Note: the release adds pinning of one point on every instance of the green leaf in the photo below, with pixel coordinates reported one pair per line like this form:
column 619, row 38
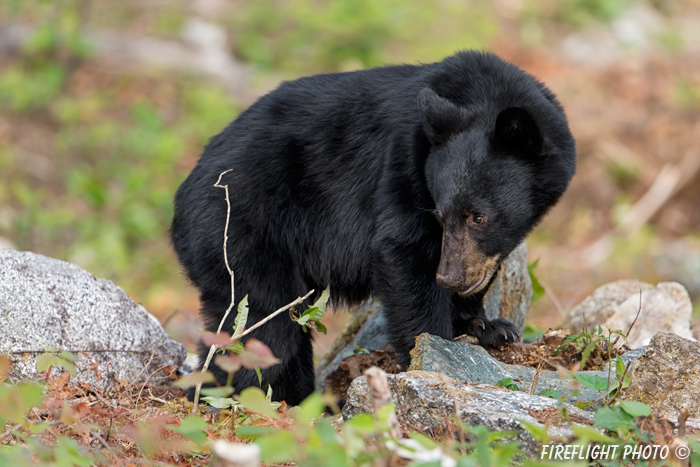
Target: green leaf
column 537, row 289
column 47, row 360
column 259, row 373
column 279, row 447
column 253, row 431
column 321, row 303
column 570, row 339
column 627, row 381
column 504, row 382
column 69, row 453
column 223, row 391
column 311, row 407
column 69, row 356
column 235, row 347
column 425, row 441
column 549, row 392
column 636, row 409
column 194, row 379
column 193, row 428
column 383, row 413
column 362, row 423
column 321, row 328
column 253, row 399
column 619, row 367
column 508, row 384
column 241, row 317
column 303, row 319
column 17, row 400
column 586, row 353
column 613, row 418
column 221, row 403
column 539, row 432
column 592, row 381
column 588, row 432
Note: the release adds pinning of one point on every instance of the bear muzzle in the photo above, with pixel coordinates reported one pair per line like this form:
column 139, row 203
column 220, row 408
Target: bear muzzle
column 463, row 268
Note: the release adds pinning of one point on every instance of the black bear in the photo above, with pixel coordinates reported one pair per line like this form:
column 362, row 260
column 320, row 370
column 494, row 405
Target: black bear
column 409, row 183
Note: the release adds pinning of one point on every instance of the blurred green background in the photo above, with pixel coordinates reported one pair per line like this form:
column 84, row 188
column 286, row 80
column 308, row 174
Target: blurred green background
column 105, row 106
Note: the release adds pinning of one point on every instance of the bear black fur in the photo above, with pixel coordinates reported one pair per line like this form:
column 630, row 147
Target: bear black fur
column 411, row 183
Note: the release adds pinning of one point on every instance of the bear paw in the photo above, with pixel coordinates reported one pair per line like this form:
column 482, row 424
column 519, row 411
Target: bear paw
column 493, row 333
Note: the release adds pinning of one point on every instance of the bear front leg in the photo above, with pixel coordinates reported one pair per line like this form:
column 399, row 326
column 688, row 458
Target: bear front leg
column 413, row 302
column 469, row 318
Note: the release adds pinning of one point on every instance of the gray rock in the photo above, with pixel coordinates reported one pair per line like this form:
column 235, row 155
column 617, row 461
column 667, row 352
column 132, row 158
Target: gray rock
column 509, row 297
column 667, row 376
column 664, row 308
column 426, row 402
column 47, row 304
column 510, row 294
column 473, row 364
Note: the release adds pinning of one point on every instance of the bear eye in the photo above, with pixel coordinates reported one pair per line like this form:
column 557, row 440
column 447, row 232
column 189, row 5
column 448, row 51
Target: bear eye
column 477, row 219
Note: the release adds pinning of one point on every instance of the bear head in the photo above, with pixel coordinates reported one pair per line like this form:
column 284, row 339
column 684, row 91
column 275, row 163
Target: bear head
column 493, row 171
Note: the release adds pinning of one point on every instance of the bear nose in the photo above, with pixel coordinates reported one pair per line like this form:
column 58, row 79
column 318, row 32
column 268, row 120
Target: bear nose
column 449, row 283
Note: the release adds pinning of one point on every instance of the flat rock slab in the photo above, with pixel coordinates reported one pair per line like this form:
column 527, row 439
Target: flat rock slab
column 667, row 376
column 473, row 364
column 427, row 401
column 47, row 304
column 665, row 307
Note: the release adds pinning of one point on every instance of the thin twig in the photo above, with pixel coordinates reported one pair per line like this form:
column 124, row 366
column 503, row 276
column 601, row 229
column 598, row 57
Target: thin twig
column 277, row 312
column 228, row 268
column 536, row 376
column 232, row 303
column 176, row 312
column 619, row 384
column 635, row 318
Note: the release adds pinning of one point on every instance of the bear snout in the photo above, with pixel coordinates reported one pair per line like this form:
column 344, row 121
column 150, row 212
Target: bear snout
column 464, row 284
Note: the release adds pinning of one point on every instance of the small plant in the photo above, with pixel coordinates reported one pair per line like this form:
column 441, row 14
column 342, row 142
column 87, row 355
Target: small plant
column 311, row 318
column 508, row 384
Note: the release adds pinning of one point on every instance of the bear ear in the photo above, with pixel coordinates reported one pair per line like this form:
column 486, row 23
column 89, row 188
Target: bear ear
column 441, row 118
column 517, row 132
